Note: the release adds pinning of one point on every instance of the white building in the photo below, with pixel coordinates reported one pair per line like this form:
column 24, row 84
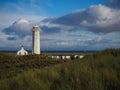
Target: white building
column 76, row 56
column 72, row 57
column 36, row 40
column 63, row 57
column 22, row 52
column 67, row 57
column 81, row 56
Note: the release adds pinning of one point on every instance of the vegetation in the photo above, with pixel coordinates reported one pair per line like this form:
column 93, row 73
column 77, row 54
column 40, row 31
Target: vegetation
column 97, row 71
column 11, row 65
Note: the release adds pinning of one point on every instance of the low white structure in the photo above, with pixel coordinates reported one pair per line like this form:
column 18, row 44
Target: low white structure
column 76, row 56
column 67, row 57
column 22, row 52
column 81, row 56
column 57, row 57
column 72, row 57
column 63, row 57
column 53, row 57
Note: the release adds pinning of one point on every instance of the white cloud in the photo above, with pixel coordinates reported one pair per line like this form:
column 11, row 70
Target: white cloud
column 21, row 28
column 104, row 15
column 101, row 11
column 6, row 43
column 7, row 19
column 82, row 24
column 97, row 18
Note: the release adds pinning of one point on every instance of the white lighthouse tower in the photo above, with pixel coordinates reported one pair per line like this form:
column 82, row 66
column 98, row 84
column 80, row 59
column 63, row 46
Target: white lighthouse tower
column 36, row 40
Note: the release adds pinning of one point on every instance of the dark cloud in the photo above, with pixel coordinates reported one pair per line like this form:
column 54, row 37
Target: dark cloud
column 21, row 28
column 46, row 39
column 74, row 18
column 11, row 38
column 47, row 30
column 96, row 27
column 97, row 18
column 113, row 3
column 48, row 20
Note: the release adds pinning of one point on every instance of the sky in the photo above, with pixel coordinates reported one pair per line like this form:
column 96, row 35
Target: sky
column 65, row 24
column 46, row 7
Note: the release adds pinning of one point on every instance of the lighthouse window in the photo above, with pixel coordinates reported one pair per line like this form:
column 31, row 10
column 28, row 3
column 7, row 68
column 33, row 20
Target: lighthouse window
column 35, row 28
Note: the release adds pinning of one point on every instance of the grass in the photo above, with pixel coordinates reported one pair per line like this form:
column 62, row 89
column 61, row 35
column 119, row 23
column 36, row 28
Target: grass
column 97, row 71
column 10, row 66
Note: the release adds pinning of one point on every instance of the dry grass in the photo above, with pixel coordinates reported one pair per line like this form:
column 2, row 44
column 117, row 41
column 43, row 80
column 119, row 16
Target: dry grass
column 99, row 71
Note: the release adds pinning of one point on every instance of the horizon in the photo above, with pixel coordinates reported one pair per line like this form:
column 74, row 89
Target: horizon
column 59, row 50
column 65, row 25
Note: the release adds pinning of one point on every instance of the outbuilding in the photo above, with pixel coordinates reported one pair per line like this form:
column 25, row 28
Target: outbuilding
column 22, row 52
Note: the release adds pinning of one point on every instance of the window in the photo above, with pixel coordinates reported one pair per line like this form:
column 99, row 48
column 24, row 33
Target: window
column 19, row 53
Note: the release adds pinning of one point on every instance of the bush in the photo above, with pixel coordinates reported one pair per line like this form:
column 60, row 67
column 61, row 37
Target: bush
column 97, row 71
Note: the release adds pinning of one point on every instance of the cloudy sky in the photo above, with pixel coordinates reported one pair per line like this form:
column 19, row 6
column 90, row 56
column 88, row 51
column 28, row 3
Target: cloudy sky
column 65, row 24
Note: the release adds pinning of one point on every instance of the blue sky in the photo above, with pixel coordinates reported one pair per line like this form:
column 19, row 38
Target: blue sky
column 65, row 24
column 46, row 7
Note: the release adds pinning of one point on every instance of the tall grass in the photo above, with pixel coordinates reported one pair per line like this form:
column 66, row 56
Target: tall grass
column 95, row 72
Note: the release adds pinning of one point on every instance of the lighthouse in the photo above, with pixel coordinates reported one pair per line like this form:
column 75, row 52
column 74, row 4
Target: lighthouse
column 36, row 40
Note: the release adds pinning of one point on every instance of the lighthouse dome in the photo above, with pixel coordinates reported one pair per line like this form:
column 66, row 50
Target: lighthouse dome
column 36, row 27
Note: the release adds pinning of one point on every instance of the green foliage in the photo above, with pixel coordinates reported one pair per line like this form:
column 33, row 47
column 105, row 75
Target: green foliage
column 97, row 71
column 11, row 65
